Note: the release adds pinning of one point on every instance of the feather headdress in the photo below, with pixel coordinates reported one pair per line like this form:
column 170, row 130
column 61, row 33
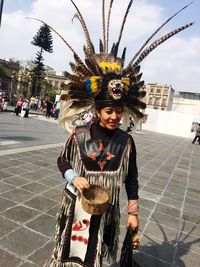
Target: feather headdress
column 105, row 70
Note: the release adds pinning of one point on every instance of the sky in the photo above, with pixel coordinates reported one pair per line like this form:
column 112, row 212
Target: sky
column 176, row 62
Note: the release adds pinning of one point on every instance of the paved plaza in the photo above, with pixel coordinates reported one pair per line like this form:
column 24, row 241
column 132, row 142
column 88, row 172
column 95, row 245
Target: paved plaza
column 31, row 189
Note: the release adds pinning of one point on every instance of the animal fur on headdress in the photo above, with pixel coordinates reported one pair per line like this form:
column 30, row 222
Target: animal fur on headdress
column 105, row 70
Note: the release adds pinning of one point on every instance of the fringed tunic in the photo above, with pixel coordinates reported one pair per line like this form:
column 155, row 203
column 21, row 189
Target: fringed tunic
column 103, row 157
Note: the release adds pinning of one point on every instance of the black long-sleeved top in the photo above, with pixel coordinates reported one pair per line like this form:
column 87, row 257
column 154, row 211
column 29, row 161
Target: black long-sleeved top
column 99, row 132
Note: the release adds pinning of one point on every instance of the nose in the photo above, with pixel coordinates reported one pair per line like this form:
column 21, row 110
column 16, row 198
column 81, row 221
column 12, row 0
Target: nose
column 118, row 84
column 114, row 115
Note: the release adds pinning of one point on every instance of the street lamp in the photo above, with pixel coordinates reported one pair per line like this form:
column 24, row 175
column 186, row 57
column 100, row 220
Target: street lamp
column 1, row 10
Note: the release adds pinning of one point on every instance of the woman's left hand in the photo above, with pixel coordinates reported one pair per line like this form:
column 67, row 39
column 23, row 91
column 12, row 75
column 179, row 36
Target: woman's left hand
column 133, row 222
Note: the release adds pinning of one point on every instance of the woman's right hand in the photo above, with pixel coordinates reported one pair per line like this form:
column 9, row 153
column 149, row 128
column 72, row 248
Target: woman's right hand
column 81, row 183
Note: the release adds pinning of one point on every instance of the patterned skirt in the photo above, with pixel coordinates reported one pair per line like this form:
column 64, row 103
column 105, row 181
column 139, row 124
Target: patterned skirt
column 78, row 237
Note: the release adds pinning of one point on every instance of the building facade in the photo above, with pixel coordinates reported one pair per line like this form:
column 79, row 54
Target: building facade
column 187, row 102
column 55, row 79
column 159, row 96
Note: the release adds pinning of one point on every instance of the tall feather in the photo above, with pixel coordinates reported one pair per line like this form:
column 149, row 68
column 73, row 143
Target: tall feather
column 103, row 25
column 160, row 41
column 101, row 48
column 124, row 21
column 108, row 25
column 85, row 30
column 147, row 41
column 82, row 66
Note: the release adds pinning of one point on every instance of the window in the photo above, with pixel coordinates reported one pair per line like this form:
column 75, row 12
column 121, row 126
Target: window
column 157, row 102
column 165, row 92
column 164, row 103
column 150, row 101
column 158, row 91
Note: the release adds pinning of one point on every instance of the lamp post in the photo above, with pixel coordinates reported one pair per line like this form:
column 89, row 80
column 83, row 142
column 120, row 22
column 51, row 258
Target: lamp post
column 1, row 10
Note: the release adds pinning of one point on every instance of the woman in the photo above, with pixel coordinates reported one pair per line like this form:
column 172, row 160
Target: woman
column 98, row 153
column 18, row 107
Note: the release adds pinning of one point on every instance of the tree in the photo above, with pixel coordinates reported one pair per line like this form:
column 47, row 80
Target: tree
column 43, row 39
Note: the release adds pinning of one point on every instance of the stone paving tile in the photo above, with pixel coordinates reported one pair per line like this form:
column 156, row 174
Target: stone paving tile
column 152, row 190
column 191, row 228
column 28, row 264
column 173, row 196
column 149, row 195
column 144, row 213
column 53, row 194
column 166, row 220
column 6, row 226
column 33, row 176
column 146, row 260
column 35, row 187
column 17, row 194
column 192, row 201
column 179, row 190
column 5, row 187
column 53, row 211
column 15, row 170
column 185, row 258
column 157, row 248
column 191, row 213
column 20, row 214
column 160, row 232
column 8, row 260
column 156, row 184
column 28, row 167
column 43, row 224
column 42, row 255
column 40, row 203
column 4, row 174
column 171, row 202
column 6, row 203
column 146, row 203
column 50, row 181
column 16, row 180
column 168, row 210
column 189, row 242
column 23, row 241
column 40, row 163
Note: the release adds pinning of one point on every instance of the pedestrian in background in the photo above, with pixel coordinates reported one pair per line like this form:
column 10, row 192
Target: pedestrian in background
column 25, row 109
column 197, row 133
column 18, row 106
column 57, row 107
column 49, row 106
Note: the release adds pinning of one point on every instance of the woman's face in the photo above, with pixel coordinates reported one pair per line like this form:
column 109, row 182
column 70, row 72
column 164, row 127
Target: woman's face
column 110, row 117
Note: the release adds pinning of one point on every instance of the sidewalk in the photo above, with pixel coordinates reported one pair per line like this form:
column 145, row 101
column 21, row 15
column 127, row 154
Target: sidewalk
column 169, row 172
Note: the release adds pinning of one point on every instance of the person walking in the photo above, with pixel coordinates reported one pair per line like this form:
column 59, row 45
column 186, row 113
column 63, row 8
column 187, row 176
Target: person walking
column 18, row 107
column 57, row 107
column 49, row 106
column 197, row 133
column 25, row 109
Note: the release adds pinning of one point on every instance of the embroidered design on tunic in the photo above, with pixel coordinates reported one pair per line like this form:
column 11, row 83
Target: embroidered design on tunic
column 92, row 156
column 81, row 225
column 101, row 164
column 109, row 155
column 101, row 147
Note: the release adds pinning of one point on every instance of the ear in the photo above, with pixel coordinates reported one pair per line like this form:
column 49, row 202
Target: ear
column 98, row 113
